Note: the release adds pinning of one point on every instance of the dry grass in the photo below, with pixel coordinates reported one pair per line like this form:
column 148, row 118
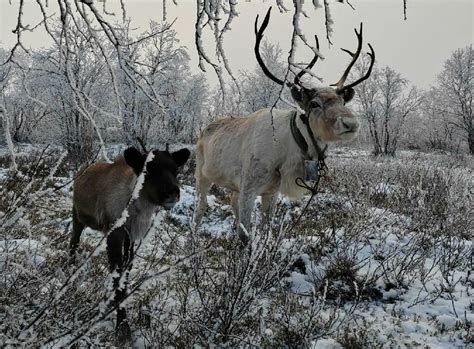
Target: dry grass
column 379, row 228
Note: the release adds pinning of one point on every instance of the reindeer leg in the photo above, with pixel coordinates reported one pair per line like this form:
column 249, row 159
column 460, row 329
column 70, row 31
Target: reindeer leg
column 253, row 178
column 116, row 241
column 77, row 228
column 126, row 251
column 268, row 204
column 234, row 201
column 129, row 248
column 128, row 258
column 246, row 205
column 202, row 187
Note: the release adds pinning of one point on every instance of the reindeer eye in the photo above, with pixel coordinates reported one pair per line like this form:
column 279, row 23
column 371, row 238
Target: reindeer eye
column 316, row 103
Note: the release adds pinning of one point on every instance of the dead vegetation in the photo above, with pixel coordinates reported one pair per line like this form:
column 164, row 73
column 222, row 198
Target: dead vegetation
column 385, row 242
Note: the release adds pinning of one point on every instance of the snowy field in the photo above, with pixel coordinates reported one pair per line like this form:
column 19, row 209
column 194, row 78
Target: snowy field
column 382, row 258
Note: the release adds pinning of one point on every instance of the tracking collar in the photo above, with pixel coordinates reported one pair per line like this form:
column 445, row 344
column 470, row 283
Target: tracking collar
column 299, row 139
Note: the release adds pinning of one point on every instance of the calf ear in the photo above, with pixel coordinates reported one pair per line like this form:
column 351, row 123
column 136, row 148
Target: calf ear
column 181, row 156
column 134, row 159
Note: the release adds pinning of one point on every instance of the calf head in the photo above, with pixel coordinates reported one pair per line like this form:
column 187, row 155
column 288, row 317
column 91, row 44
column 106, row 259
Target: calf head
column 325, row 107
column 161, row 186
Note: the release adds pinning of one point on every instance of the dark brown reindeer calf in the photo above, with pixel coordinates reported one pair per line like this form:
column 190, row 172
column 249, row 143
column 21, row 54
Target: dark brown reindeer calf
column 102, row 193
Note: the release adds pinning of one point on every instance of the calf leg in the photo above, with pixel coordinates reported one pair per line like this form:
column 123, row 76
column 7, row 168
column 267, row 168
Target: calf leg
column 128, row 250
column 116, row 241
column 77, row 228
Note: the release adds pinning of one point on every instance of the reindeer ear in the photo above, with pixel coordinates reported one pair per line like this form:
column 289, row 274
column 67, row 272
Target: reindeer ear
column 348, row 94
column 181, row 156
column 134, row 159
column 296, row 93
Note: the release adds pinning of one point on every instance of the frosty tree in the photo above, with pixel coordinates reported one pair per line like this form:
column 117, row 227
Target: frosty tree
column 259, row 91
column 252, row 90
column 385, row 102
column 213, row 16
column 450, row 101
column 4, row 76
column 127, row 63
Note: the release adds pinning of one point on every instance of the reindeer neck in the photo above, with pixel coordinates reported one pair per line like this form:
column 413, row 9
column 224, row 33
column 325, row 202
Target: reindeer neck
column 312, row 148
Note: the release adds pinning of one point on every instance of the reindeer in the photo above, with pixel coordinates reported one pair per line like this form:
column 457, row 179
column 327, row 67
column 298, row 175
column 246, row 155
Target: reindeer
column 250, row 157
column 104, row 190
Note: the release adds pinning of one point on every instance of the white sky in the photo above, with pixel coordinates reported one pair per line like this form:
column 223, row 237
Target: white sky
column 417, row 47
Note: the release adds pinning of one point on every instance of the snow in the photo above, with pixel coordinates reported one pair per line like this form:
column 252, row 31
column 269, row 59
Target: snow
column 299, row 284
column 183, row 211
column 406, row 312
column 3, row 174
column 447, row 321
column 385, row 189
column 19, row 245
column 327, row 343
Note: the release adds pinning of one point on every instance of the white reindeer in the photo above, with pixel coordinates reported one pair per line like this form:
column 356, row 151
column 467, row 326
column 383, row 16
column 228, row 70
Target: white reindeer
column 250, row 157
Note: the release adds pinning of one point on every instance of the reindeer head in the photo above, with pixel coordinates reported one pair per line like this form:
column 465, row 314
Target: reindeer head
column 161, row 185
column 325, row 107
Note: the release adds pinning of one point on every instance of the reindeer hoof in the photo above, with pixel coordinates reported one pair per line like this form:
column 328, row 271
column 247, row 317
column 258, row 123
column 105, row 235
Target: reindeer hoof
column 244, row 239
column 72, row 258
column 123, row 335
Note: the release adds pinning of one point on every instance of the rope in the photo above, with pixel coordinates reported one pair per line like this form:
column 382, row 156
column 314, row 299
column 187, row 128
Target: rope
column 322, row 172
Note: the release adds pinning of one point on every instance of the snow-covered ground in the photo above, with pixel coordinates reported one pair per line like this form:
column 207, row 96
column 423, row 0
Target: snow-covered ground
column 382, row 258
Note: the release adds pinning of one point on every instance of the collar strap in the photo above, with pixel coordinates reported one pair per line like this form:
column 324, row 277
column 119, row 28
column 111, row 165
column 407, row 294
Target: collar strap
column 299, row 139
column 297, row 136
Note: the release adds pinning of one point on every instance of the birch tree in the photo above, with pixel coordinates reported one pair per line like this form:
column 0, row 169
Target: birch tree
column 257, row 90
column 386, row 101
column 451, row 98
column 214, row 19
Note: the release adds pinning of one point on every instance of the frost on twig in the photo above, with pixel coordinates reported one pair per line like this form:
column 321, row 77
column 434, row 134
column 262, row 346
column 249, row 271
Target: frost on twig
column 87, row 40
column 328, row 21
column 4, row 81
column 208, row 16
column 8, row 138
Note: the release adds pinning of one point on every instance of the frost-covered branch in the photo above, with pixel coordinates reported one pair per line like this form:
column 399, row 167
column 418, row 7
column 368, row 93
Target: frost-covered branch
column 8, row 138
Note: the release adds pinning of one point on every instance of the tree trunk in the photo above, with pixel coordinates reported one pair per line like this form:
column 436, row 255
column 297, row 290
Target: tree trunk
column 8, row 139
column 470, row 140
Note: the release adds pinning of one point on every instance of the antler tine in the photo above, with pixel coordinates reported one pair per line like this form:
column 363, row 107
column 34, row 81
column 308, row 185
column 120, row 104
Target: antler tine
column 347, row 51
column 258, row 39
column 340, row 84
column 369, row 71
column 309, row 66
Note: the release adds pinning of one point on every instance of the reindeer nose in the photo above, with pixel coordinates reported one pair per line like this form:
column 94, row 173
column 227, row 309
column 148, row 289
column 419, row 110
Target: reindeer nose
column 175, row 192
column 349, row 125
column 171, row 199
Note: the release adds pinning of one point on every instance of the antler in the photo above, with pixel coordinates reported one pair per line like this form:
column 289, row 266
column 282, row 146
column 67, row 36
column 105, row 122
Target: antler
column 369, row 71
column 310, row 65
column 258, row 38
column 340, row 84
